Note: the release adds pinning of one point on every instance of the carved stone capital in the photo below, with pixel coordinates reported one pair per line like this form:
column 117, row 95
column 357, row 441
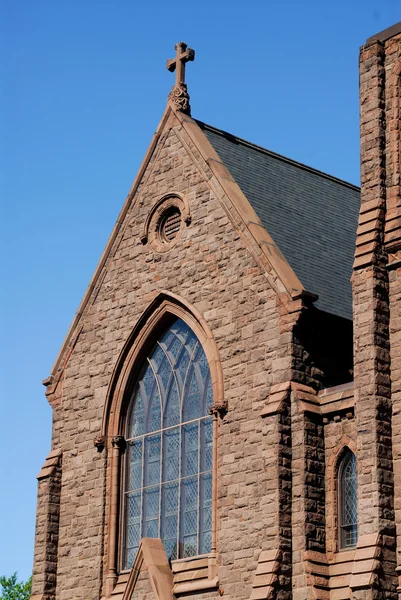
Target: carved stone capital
column 180, row 98
column 99, row 442
column 118, row 441
column 219, row 408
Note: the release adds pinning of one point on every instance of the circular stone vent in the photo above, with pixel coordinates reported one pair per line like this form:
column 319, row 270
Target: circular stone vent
column 170, row 225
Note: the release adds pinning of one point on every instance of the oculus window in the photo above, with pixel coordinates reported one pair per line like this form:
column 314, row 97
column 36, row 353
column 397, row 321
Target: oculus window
column 168, row 482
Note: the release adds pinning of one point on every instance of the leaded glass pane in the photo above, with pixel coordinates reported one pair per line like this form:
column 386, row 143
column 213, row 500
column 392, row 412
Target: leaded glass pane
column 138, row 417
column 167, row 338
column 192, row 397
column 348, row 501
column 171, row 459
column 163, row 375
column 152, row 459
column 154, row 412
column 209, row 395
column 169, row 490
column 174, row 350
column 182, row 367
column 181, row 329
column 131, row 553
column 189, row 515
column 190, row 441
column 206, row 443
column 169, row 518
column 135, row 465
column 151, row 512
column 205, row 513
column 172, row 409
column 191, row 343
column 133, row 529
column 148, row 382
column 202, row 363
column 157, row 357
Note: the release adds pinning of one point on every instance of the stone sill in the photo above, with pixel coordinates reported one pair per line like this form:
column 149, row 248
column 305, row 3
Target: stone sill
column 194, row 574
column 196, row 586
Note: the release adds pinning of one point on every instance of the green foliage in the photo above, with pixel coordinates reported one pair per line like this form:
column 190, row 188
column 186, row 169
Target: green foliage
column 11, row 589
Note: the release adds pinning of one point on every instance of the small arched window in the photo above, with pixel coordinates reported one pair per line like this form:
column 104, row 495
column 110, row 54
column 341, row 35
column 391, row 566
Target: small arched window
column 347, row 501
column 168, row 489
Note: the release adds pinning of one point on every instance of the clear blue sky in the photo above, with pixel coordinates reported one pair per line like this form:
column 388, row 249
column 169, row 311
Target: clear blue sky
column 84, row 85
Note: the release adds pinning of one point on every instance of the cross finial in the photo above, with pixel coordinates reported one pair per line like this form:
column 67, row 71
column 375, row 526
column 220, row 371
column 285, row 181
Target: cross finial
column 179, row 94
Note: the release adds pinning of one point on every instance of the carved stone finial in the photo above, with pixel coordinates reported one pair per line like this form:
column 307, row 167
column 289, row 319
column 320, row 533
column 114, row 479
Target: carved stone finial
column 219, row 408
column 99, row 442
column 179, row 94
column 180, row 98
column 118, row 441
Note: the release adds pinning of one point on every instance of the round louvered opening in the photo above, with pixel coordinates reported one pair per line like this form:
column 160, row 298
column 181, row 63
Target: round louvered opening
column 170, row 225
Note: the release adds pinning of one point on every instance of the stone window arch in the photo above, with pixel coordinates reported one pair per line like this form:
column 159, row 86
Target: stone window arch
column 347, row 500
column 164, row 312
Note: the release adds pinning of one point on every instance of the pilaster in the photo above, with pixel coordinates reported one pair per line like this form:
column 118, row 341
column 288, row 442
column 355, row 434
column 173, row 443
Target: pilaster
column 44, row 577
column 371, row 331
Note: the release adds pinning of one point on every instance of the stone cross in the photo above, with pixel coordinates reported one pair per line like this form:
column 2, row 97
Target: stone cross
column 177, row 64
column 179, row 95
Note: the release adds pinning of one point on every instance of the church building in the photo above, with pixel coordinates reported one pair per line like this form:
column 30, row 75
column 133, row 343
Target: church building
column 227, row 401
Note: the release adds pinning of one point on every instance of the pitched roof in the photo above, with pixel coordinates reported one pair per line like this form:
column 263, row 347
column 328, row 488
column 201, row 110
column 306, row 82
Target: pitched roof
column 311, row 216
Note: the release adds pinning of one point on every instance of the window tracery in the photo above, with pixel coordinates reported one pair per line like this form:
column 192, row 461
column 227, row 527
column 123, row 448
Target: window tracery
column 168, row 491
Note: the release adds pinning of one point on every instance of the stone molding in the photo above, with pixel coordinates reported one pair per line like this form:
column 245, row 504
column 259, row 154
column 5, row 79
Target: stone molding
column 366, row 562
column 266, row 575
column 329, row 402
column 53, row 460
column 279, row 393
column 197, row 574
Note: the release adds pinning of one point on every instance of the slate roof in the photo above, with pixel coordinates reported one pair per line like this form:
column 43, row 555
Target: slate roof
column 311, row 216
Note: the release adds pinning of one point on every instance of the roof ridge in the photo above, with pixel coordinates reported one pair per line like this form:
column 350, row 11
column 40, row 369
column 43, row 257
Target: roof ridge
column 290, row 161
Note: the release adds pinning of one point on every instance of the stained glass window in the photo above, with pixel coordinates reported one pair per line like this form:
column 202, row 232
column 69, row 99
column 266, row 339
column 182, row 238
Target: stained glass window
column 169, row 449
column 347, row 495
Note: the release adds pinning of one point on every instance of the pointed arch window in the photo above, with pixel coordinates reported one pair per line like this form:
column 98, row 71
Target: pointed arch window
column 168, row 489
column 347, row 501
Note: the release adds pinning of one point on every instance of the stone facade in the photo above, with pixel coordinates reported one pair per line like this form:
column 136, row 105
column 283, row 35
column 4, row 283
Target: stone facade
column 279, row 425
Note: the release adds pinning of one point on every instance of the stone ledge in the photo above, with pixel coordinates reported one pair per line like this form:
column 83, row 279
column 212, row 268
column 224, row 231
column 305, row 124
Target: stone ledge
column 266, row 574
column 200, row 585
column 337, row 399
column 194, row 575
column 52, row 461
column 279, row 393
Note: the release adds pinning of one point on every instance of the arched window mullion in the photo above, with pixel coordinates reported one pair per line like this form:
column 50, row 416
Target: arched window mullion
column 184, row 385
